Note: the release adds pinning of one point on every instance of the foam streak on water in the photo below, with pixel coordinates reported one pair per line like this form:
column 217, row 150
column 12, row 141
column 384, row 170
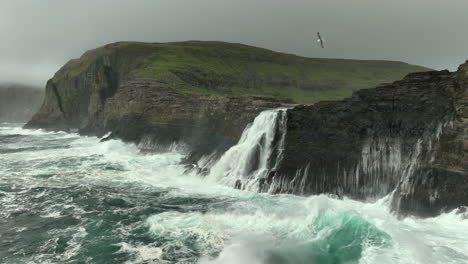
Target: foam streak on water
column 71, row 199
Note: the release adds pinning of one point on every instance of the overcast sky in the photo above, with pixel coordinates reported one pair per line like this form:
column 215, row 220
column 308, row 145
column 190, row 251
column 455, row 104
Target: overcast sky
column 39, row 36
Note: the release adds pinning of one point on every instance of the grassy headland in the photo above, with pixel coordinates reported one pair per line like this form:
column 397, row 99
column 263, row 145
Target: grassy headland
column 211, row 67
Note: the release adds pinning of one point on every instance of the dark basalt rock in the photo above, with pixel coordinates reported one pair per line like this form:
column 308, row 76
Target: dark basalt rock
column 107, row 95
column 410, row 135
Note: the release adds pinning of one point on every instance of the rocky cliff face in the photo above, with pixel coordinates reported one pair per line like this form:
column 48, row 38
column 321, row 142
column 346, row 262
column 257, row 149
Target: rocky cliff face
column 201, row 93
column 410, row 135
column 105, row 91
column 147, row 112
column 78, row 91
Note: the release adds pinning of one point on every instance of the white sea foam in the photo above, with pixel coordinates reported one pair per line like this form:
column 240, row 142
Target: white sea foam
column 288, row 220
column 18, row 130
column 249, row 227
column 142, row 253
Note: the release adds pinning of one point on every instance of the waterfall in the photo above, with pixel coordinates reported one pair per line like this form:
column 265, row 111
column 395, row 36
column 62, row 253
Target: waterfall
column 393, row 164
column 381, row 165
column 377, row 166
column 258, row 151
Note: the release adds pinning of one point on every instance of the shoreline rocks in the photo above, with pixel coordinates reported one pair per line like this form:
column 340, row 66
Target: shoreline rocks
column 409, row 136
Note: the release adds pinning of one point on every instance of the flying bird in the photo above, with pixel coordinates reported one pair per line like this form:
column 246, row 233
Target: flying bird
column 320, row 39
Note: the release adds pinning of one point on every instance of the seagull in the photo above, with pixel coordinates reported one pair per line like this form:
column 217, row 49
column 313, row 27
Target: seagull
column 320, row 39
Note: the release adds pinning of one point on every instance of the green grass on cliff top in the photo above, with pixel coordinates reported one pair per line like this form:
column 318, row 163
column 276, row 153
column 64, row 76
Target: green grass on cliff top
column 236, row 69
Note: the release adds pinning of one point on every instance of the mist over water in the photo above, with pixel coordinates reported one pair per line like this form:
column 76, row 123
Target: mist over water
column 71, row 199
column 18, row 103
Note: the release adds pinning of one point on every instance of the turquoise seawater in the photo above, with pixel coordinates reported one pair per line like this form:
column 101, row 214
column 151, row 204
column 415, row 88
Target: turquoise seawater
column 71, row 199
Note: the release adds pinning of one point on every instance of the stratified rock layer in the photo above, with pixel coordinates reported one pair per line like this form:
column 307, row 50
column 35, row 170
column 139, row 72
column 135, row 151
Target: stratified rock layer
column 200, row 93
column 410, row 135
column 106, row 91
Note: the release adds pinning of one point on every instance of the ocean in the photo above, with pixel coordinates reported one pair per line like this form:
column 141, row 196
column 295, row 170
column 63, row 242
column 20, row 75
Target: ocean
column 66, row 198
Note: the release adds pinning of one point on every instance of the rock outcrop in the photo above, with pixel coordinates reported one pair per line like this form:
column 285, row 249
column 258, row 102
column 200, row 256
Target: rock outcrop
column 410, row 136
column 106, row 91
column 199, row 93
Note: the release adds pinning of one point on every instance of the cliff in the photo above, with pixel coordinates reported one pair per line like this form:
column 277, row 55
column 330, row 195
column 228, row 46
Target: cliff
column 188, row 90
column 18, row 103
column 79, row 90
column 408, row 136
column 411, row 135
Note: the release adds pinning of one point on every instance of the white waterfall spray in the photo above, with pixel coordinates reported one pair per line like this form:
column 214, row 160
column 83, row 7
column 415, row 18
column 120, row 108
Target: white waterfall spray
column 384, row 164
column 380, row 166
column 258, row 150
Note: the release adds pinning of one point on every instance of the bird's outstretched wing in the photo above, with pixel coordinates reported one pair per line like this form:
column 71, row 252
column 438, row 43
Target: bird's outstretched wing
column 320, row 39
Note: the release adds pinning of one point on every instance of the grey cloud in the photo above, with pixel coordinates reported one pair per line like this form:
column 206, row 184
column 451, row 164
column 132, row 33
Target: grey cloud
column 38, row 36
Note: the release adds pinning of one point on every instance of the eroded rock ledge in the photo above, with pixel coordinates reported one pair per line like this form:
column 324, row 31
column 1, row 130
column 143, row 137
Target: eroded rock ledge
column 109, row 90
column 411, row 135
